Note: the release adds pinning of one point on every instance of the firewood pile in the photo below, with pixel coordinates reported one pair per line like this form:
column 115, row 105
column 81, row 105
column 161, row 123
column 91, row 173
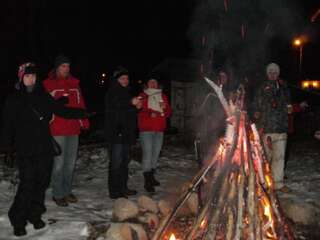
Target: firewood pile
column 235, row 189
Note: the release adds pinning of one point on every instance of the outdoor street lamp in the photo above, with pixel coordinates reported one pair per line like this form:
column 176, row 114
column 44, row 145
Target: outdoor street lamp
column 299, row 43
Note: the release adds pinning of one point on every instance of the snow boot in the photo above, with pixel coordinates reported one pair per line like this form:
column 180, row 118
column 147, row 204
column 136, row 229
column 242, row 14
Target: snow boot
column 115, row 184
column 19, row 231
column 61, row 202
column 148, row 186
column 38, row 224
column 153, row 180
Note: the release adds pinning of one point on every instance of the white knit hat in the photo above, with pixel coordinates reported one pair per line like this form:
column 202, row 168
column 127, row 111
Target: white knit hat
column 273, row 67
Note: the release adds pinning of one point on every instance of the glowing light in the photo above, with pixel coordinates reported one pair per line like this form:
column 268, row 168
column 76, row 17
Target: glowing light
column 269, row 181
column 267, row 211
column 172, row 237
column 297, row 42
column 315, row 84
column 203, row 223
column 103, row 75
column 305, row 84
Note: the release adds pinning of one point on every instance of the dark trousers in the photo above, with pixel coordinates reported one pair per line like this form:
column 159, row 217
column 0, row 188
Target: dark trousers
column 34, row 175
column 118, row 168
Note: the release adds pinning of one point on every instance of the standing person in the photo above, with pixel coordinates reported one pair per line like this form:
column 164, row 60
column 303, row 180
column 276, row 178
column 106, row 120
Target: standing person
column 62, row 85
column 26, row 117
column 152, row 121
column 211, row 119
column 120, row 131
column 272, row 105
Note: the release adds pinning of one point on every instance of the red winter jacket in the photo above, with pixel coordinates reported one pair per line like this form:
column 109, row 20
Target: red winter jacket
column 66, row 87
column 146, row 123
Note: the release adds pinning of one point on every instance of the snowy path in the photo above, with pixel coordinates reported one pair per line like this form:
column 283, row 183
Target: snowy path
column 90, row 186
column 177, row 165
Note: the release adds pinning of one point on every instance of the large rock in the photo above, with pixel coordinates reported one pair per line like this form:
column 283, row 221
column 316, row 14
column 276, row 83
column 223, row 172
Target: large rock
column 193, row 203
column 119, row 231
column 124, row 209
column 147, row 204
column 138, row 231
column 151, row 219
column 306, row 213
column 126, row 231
column 164, row 207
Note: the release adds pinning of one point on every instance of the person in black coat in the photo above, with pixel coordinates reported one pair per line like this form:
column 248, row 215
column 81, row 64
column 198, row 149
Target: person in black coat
column 120, row 131
column 26, row 116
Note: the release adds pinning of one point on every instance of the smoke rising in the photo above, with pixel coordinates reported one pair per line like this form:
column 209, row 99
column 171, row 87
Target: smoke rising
column 237, row 34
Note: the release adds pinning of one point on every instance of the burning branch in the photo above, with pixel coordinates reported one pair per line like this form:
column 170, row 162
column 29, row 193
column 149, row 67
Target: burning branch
column 241, row 202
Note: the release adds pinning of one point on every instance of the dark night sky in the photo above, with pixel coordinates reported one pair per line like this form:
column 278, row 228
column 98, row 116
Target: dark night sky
column 99, row 35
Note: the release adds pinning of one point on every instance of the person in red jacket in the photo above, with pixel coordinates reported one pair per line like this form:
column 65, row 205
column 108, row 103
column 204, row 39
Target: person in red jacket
column 65, row 88
column 152, row 121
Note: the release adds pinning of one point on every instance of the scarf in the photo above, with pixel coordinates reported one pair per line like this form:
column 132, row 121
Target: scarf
column 154, row 98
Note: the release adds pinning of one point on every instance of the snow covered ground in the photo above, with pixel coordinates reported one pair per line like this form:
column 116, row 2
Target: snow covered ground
column 177, row 165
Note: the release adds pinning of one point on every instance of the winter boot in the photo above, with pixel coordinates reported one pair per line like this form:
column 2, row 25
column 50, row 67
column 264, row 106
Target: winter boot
column 127, row 191
column 153, row 180
column 148, row 186
column 19, row 231
column 115, row 184
column 38, row 224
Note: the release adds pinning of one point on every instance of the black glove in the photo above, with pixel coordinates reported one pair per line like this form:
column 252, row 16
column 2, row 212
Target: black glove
column 63, row 100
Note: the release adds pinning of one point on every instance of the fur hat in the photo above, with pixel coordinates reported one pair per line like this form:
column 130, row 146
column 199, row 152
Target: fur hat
column 273, row 67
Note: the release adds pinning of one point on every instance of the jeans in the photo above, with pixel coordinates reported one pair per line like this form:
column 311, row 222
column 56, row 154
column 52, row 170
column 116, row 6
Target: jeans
column 151, row 143
column 118, row 168
column 119, row 156
column 276, row 155
column 63, row 166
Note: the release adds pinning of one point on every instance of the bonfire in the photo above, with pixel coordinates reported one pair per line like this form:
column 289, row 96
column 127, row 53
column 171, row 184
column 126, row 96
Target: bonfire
column 235, row 188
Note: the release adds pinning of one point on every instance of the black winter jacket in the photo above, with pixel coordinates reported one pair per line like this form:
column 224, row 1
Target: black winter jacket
column 120, row 115
column 22, row 125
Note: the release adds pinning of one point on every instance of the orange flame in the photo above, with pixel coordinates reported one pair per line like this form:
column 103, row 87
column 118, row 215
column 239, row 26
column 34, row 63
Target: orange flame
column 268, row 214
column 203, row 223
column 172, row 237
column 269, row 181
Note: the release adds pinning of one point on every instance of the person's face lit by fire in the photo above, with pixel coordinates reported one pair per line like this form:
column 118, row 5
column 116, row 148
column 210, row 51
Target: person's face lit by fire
column 63, row 70
column 29, row 79
column 223, row 78
column 123, row 80
column 272, row 75
column 152, row 83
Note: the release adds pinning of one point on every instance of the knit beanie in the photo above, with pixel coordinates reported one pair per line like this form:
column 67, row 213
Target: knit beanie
column 61, row 59
column 273, row 67
column 119, row 72
column 25, row 68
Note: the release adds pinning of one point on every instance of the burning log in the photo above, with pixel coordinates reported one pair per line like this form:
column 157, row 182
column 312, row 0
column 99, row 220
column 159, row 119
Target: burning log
column 238, row 229
column 241, row 202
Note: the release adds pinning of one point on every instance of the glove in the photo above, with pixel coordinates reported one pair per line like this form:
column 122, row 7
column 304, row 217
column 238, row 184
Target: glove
column 63, row 100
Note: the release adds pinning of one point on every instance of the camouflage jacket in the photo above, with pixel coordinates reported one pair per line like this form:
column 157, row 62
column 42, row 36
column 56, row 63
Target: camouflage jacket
column 271, row 101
